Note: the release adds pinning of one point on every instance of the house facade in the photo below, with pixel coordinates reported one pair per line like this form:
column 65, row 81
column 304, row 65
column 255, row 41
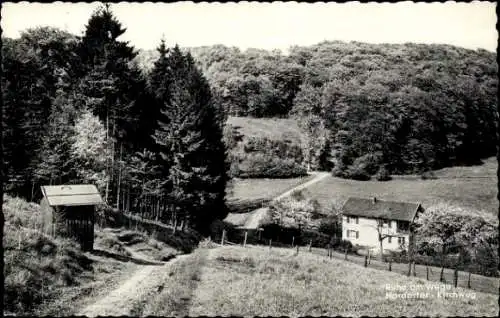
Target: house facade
column 365, row 220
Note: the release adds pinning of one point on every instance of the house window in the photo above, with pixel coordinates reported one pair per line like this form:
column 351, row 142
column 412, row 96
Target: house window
column 352, row 234
column 401, row 240
column 403, row 226
column 353, row 219
column 389, row 240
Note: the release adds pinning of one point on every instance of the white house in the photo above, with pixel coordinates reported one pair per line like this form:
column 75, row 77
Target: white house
column 364, row 220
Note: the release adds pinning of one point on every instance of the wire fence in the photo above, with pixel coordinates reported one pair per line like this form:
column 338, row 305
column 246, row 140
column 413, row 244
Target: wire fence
column 452, row 276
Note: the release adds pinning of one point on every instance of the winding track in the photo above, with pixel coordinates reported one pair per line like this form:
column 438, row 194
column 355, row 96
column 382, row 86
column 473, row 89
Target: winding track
column 256, row 217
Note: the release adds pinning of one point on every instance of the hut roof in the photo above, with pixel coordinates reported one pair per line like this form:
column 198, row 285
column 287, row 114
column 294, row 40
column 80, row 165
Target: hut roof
column 72, row 195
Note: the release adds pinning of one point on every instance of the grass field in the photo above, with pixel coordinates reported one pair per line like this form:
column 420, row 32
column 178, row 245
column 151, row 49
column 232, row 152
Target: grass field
column 470, row 187
column 257, row 281
column 271, row 128
column 262, row 189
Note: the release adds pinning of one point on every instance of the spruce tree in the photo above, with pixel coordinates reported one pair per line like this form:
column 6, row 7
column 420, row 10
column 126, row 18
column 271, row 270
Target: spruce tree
column 189, row 141
column 113, row 88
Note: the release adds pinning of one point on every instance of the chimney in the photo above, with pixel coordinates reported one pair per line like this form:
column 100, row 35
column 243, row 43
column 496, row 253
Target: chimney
column 374, row 200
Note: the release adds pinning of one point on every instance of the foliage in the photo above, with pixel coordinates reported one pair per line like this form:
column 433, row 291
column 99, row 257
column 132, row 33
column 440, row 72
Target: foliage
column 37, row 265
column 447, row 229
column 383, row 174
column 78, row 109
column 428, row 175
column 294, row 212
column 261, row 165
column 422, row 106
column 90, row 149
column 189, row 139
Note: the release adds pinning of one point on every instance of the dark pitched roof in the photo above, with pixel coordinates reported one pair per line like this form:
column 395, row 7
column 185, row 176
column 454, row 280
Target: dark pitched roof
column 375, row 208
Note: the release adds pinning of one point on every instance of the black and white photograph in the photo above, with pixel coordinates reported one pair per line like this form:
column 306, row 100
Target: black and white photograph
column 279, row 159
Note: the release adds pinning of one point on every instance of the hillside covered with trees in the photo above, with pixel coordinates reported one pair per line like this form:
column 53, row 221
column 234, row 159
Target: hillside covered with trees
column 79, row 110
column 368, row 109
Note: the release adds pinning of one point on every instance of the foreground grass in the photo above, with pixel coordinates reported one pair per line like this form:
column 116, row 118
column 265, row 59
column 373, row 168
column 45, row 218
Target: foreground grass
column 178, row 283
column 469, row 187
column 256, row 281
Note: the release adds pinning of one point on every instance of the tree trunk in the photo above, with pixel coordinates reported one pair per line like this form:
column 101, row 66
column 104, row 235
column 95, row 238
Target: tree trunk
column 118, row 185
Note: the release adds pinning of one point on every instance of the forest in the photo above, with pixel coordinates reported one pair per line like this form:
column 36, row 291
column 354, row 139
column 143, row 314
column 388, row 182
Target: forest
column 368, row 109
column 79, row 110
column 149, row 127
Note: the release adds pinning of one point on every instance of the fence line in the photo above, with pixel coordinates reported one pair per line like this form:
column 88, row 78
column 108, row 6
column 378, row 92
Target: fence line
column 458, row 278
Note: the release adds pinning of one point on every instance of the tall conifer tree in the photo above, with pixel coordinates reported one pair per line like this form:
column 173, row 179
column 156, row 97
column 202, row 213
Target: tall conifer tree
column 189, row 140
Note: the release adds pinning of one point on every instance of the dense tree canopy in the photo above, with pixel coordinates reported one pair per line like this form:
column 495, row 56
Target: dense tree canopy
column 79, row 110
column 404, row 108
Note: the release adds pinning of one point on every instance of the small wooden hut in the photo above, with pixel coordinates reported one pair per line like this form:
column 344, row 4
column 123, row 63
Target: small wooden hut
column 73, row 208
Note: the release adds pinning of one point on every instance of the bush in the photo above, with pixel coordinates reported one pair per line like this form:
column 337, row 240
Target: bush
column 383, row 174
column 339, row 171
column 428, row 175
column 297, row 195
column 357, row 172
column 329, row 226
column 259, row 165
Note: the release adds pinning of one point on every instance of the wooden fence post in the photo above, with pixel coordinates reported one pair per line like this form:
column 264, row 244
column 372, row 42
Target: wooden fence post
column 414, row 272
column 245, row 239
column 390, row 264
column 270, row 243
column 331, row 252
column 468, row 281
column 297, row 253
column 310, row 245
column 455, row 277
column 223, row 236
column 293, row 240
column 441, row 276
column 409, row 268
column 427, row 271
column 369, row 256
column 366, row 261
column 345, row 255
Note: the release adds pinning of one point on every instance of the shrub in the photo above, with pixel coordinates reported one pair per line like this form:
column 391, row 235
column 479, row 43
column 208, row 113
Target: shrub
column 338, row 172
column 259, row 165
column 357, row 172
column 297, row 195
column 329, row 226
column 428, row 175
column 383, row 174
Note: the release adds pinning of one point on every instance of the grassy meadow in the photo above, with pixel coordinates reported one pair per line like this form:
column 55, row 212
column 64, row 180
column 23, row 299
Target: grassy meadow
column 270, row 128
column 470, row 187
column 258, row 281
column 262, row 189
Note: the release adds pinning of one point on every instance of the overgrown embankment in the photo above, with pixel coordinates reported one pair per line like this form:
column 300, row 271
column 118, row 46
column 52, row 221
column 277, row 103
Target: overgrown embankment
column 46, row 275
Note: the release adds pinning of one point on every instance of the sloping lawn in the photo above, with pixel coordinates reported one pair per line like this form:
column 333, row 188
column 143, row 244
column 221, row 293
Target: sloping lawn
column 470, row 187
column 255, row 281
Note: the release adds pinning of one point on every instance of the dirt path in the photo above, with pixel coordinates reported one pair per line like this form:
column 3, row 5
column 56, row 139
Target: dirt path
column 122, row 300
column 256, row 217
